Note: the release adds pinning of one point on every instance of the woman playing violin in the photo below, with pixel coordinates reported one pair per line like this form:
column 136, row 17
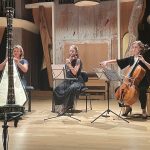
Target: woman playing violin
column 66, row 92
column 21, row 63
column 137, row 48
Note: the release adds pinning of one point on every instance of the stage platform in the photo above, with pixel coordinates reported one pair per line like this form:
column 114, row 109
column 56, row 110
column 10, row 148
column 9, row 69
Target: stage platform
column 65, row 133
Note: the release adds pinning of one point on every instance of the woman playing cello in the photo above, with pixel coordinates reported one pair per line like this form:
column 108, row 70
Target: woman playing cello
column 137, row 48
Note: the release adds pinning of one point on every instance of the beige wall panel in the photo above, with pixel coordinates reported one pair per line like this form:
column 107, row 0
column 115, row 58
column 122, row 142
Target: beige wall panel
column 90, row 24
column 86, row 23
column 90, row 54
column 66, row 22
column 125, row 9
column 114, row 48
column 106, row 20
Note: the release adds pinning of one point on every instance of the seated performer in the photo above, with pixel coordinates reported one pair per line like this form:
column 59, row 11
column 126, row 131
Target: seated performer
column 22, row 64
column 137, row 49
column 66, row 92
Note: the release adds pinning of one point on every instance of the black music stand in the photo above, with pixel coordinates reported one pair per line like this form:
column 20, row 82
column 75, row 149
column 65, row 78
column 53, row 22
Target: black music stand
column 59, row 73
column 111, row 75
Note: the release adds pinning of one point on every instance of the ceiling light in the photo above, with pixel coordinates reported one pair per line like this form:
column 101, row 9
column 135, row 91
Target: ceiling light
column 86, row 2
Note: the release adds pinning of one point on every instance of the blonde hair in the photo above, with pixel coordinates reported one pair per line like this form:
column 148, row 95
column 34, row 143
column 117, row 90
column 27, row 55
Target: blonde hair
column 21, row 50
column 74, row 47
column 141, row 45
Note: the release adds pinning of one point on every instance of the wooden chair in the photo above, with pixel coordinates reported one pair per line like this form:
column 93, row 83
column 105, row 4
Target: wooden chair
column 84, row 90
column 29, row 89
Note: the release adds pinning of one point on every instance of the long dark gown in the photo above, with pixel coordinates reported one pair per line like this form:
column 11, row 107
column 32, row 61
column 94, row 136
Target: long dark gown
column 67, row 91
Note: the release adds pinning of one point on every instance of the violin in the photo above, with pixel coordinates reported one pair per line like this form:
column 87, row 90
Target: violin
column 73, row 59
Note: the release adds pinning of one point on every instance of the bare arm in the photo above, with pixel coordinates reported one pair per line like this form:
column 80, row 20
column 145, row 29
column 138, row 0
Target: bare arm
column 105, row 63
column 74, row 69
column 2, row 65
column 23, row 67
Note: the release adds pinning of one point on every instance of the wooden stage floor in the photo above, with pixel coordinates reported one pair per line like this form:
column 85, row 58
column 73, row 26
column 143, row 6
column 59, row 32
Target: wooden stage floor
column 65, row 133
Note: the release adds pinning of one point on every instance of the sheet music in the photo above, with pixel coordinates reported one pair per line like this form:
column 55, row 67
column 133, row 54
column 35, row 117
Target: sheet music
column 99, row 73
column 58, row 71
column 112, row 75
column 107, row 74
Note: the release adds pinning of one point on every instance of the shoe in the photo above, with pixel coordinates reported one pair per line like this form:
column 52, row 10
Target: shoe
column 128, row 110
column 121, row 104
column 64, row 110
column 61, row 112
column 144, row 116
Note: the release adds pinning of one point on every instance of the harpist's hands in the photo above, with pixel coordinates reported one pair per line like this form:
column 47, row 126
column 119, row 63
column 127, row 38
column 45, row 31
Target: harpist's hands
column 6, row 60
column 16, row 60
column 103, row 64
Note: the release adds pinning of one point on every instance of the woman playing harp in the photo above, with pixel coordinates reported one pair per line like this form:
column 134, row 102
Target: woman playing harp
column 21, row 63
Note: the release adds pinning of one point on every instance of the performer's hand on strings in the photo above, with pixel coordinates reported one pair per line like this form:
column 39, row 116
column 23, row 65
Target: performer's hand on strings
column 16, row 60
column 140, row 57
column 5, row 61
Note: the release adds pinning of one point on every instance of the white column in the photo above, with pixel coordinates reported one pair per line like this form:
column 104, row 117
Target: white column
column 118, row 26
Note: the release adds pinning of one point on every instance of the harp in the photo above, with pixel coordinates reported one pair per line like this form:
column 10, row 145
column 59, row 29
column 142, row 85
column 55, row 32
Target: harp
column 12, row 91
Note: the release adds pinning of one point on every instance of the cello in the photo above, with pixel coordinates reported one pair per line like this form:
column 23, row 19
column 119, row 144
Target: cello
column 128, row 91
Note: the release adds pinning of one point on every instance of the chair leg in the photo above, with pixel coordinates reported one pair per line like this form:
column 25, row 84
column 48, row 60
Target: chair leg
column 86, row 102
column 90, row 104
column 29, row 101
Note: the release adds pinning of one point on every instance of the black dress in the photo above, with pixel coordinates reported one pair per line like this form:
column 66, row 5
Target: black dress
column 67, row 91
column 144, row 84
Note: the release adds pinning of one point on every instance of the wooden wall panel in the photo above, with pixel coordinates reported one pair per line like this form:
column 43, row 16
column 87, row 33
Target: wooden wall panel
column 83, row 25
column 125, row 9
column 86, row 23
column 106, row 20
column 90, row 54
column 43, row 18
column 66, row 22
column 48, row 16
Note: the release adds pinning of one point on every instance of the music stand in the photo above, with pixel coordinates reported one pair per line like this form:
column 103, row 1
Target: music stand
column 111, row 75
column 59, row 73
